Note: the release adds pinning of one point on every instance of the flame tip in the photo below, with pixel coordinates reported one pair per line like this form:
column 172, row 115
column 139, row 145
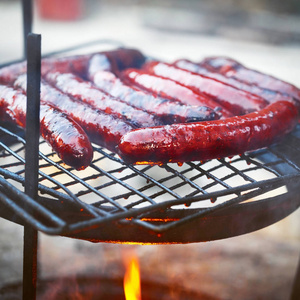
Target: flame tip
column 132, row 282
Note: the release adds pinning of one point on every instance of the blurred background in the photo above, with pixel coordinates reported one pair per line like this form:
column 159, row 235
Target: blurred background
column 262, row 34
column 64, row 22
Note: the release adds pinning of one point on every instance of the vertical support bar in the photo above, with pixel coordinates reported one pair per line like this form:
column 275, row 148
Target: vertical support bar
column 32, row 134
column 296, row 286
column 27, row 10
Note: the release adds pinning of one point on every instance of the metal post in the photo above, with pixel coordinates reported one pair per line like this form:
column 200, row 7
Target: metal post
column 27, row 10
column 32, row 160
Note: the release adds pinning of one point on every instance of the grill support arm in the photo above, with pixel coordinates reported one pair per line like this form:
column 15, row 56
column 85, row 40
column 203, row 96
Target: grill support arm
column 32, row 160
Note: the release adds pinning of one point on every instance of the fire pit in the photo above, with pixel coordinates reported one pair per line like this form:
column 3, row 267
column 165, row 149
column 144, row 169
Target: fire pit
column 116, row 202
column 99, row 288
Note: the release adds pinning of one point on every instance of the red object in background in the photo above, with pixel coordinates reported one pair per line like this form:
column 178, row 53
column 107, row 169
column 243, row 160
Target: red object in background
column 65, row 10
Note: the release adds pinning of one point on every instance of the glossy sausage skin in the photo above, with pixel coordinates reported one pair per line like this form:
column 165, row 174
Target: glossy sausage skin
column 11, row 72
column 238, row 102
column 61, row 132
column 168, row 111
column 87, row 92
column 113, row 60
column 169, row 89
column 211, row 139
column 102, row 129
column 123, row 58
column 269, row 95
column 75, row 64
column 233, row 69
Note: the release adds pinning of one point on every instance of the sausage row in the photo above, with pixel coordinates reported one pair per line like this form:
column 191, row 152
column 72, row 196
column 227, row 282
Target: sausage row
column 152, row 112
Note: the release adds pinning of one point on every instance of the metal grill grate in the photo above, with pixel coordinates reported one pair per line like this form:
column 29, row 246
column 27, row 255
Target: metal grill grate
column 111, row 191
column 147, row 203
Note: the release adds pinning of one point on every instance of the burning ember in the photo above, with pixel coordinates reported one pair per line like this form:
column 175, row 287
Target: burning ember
column 132, row 282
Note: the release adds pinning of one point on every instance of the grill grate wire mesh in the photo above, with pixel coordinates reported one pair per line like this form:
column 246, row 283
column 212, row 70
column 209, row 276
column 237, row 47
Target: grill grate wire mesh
column 110, row 190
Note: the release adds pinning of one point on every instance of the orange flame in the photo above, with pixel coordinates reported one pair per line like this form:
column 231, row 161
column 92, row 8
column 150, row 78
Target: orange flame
column 132, row 281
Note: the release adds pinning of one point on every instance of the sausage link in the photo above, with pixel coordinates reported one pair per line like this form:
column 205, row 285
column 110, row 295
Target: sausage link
column 85, row 91
column 168, row 111
column 238, row 102
column 10, row 73
column 61, row 132
column 169, row 89
column 102, row 129
column 124, row 58
column 233, row 69
column 75, row 64
column 114, row 60
column 211, row 139
column 269, row 95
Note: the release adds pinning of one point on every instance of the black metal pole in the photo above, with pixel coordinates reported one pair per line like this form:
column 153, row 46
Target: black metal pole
column 27, row 10
column 32, row 160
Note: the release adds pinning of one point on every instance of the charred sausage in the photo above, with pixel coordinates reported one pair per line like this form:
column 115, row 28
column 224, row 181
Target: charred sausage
column 123, row 58
column 269, row 95
column 75, row 64
column 168, row 111
column 61, row 132
column 113, row 60
column 102, row 129
column 169, row 89
column 85, row 91
column 238, row 102
column 211, row 139
column 10, row 73
column 233, row 69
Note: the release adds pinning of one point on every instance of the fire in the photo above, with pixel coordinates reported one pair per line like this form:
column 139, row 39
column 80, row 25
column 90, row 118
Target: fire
column 132, row 281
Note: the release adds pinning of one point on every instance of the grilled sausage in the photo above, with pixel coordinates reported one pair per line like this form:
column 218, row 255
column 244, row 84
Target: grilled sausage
column 61, row 132
column 102, row 129
column 238, row 102
column 113, row 60
column 211, row 139
column 168, row 111
column 169, row 89
column 269, row 95
column 75, row 64
column 10, row 73
column 123, row 58
column 85, row 91
column 233, row 69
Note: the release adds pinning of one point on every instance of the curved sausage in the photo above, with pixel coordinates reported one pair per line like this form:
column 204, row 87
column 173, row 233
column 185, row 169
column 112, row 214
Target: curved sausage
column 123, row 58
column 211, row 139
column 233, row 69
column 114, row 60
column 168, row 111
column 269, row 95
column 85, row 91
column 10, row 73
column 238, row 102
column 169, row 89
column 75, row 64
column 102, row 129
column 61, row 132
